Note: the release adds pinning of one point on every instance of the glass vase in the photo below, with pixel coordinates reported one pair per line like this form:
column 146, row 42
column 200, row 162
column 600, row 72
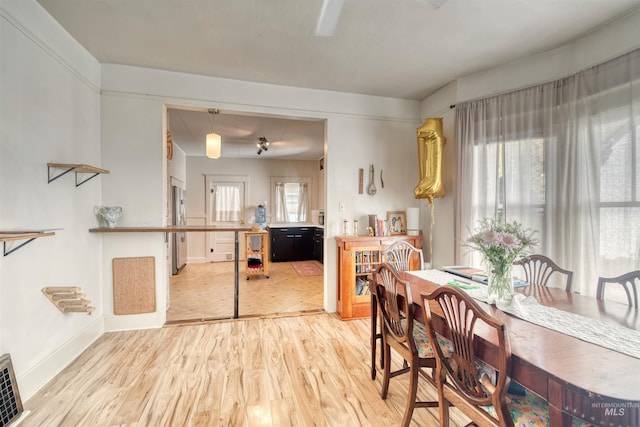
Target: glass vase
column 500, row 283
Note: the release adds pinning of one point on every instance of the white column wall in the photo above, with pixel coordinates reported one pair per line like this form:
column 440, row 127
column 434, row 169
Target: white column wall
column 49, row 113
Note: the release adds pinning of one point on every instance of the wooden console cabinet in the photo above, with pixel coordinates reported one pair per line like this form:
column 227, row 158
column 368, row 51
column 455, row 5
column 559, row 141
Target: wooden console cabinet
column 358, row 257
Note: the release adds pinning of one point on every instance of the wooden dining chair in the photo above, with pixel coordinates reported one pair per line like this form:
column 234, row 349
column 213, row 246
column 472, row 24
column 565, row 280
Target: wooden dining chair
column 462, row 380
column 403, row 256
column 406, row 336
column 538, row 269
column 628, row 281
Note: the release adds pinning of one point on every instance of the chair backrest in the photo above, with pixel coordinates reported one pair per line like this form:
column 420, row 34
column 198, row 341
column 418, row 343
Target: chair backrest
column 629, row 283
column 538, row 269
column 459, row 374
column 400, row 255
column 397, row 316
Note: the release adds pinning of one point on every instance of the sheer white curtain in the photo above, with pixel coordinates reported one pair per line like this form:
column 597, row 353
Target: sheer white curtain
column 562, row 158
column 226, row 203
column 303, row 202
column 282, row 214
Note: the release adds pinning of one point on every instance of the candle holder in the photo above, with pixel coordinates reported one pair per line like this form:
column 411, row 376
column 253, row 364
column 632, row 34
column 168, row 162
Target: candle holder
column 355, row 227
column 345, row 228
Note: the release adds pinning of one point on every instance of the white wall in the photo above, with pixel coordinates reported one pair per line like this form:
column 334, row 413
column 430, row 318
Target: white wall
column 178, row 166
column 599, row 46
column 258, row 172
column 49, row 112
column 360, row 130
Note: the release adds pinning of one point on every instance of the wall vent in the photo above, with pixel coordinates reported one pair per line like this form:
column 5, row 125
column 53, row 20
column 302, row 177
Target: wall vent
column 10, row 403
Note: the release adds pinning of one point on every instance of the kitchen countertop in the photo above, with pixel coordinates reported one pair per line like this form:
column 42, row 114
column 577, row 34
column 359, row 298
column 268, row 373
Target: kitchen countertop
column 295, row 224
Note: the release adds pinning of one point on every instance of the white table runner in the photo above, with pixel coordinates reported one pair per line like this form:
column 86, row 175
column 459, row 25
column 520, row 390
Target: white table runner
column 613, row 337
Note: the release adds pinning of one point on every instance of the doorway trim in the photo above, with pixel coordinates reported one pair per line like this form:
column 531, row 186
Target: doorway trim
column 245, row 180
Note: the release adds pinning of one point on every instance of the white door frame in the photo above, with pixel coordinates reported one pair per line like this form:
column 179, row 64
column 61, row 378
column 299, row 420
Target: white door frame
column 245, row 180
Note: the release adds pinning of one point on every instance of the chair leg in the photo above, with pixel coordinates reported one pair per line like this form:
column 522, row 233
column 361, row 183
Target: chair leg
column 443, row 406
column 375, row 336
column 413, row 393
column 374, row 341
column 386, row 372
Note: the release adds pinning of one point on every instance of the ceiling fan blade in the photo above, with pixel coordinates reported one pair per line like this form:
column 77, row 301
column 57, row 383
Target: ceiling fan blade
column 436, row 3
column 329, row 17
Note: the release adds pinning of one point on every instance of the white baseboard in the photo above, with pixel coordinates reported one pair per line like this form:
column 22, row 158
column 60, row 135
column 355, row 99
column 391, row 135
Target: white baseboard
column 20, row 419
column 35, row 378
column 130, row 322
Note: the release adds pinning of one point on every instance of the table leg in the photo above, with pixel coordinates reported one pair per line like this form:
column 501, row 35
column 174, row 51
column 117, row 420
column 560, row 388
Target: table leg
column 236, row 284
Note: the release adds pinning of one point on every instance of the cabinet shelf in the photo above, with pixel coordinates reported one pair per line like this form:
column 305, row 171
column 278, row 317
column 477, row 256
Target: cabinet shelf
column 257, row 254
column 77, row 168
column 358, row 258
column 27, row 235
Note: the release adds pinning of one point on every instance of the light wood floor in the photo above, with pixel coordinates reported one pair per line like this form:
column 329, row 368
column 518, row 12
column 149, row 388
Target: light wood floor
column 205, row 291
column 305, row 370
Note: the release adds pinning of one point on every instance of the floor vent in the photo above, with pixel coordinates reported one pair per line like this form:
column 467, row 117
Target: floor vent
column 10, row 403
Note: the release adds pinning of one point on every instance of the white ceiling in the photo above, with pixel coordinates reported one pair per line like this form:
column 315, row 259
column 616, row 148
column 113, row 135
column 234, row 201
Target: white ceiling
column 291, row 139
column 394, row 48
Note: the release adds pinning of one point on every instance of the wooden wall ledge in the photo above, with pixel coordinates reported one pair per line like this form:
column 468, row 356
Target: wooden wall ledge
column 68, row 299
column 167, row 229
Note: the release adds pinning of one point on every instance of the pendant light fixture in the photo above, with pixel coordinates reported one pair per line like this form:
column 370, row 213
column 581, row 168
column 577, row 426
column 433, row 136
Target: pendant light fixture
column 214, row 141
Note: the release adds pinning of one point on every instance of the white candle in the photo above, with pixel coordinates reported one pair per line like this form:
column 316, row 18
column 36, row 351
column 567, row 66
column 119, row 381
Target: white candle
column 413, row 221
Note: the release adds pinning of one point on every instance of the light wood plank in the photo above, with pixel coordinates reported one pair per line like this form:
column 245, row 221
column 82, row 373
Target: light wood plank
column 205, row 291
column 297, row 371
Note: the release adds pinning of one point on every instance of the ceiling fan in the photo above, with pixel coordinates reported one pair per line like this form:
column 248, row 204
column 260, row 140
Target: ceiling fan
column 263, row 145
column 330, row 15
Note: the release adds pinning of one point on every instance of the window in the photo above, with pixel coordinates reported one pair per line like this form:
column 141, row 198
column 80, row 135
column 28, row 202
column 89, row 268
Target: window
column 226, row 203
column 291, row 199
column 562, row 158
column 619, row 207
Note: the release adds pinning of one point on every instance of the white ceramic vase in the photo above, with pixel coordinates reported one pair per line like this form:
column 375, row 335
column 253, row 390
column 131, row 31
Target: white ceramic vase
column 110, row 214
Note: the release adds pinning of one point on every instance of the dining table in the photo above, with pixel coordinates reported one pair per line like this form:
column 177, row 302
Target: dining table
column 576, row 377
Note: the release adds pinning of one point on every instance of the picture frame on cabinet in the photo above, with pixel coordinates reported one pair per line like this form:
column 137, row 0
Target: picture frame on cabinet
column 397, row 222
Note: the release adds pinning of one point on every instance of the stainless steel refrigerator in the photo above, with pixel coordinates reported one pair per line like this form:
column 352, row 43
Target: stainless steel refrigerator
column 179, row 242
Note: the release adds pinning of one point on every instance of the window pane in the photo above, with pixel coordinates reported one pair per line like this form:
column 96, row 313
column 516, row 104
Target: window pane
column 292, row 192
column 615, row 164
column 620, row 233
column 524, row 169
column 637, row 171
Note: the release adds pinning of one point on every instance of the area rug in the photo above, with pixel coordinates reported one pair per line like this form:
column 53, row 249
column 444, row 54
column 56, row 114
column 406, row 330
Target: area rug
column 307, row 268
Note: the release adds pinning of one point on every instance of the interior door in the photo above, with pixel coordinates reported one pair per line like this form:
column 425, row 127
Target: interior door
column 226, row 207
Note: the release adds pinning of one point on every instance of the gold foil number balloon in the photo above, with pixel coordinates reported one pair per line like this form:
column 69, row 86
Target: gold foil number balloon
column 430, row 145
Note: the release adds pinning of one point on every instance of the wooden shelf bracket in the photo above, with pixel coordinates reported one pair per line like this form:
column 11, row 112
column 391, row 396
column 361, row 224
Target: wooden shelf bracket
column 68, row 299
column 77, row 168
column 27, row 236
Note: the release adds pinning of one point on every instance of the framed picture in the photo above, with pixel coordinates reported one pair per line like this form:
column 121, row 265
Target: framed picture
column 397, row 222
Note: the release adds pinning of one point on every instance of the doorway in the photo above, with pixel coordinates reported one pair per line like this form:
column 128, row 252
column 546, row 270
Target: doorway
column 206, row 284
column 226, row 202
